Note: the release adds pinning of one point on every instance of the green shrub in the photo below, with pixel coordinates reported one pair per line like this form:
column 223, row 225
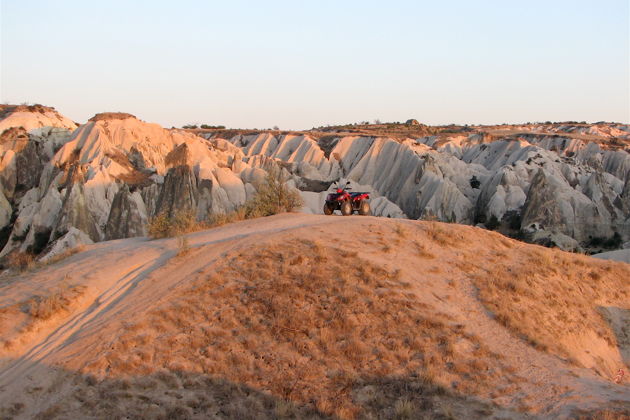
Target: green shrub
column 274, row 196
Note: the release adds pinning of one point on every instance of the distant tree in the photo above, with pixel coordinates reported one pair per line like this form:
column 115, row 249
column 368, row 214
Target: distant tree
column 377, row 121
column 190, row 126
column 212, row 127
column 275, row 127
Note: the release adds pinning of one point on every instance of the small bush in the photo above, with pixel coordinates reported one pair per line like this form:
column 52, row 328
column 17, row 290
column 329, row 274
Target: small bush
column 21, row 261
column 43, row 307
column 163, row 226
column 274, row 196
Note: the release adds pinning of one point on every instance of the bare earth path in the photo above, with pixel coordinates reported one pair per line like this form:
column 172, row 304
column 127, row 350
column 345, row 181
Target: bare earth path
column 125, row 277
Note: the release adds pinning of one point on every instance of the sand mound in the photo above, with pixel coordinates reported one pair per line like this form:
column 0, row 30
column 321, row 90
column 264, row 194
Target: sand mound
column 313, row 316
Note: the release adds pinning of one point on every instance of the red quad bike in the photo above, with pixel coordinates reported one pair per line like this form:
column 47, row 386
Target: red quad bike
column 347, row 202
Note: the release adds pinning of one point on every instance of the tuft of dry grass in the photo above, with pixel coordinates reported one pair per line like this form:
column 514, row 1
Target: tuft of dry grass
column 21, row 261
column 405, row 409
column 26, row 261
column 439, row 235
column 422, row 251
column 44, row 306
column 62, row 256
column 220, row 219
column 400, row 230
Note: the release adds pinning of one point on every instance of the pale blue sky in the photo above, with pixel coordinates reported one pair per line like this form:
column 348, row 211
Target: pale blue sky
column 302, row 64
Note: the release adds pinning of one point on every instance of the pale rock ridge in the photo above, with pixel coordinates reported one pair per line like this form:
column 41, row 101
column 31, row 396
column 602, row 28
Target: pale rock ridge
column 106, row 180
column 110, row 176
column 33, row 117
column 567, row 187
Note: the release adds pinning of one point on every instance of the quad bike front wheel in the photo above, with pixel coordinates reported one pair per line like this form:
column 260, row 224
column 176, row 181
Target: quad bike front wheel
column 328, row 209
column 346, row 208
column 364, row 208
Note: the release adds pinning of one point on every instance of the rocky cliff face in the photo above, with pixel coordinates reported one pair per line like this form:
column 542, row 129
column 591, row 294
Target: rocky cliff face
column 550, row 188
column 107, row 178
column 62, row 184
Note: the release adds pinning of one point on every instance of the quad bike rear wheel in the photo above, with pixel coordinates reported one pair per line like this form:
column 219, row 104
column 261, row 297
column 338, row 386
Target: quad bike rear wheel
column 346, row 208
column 364, row 208
column 328, row 209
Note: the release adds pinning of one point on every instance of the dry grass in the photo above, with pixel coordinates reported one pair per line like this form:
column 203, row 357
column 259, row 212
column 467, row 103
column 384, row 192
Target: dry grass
column 21, row 261
column 404, row 409
column 44, row 306
column 220, row 219
column 400, row 230
column 550, row 298
column 135, row 177
column 163, row 226
column 440, row 235
column 62, row 256
column 303, row 321
column 26, row 261
column 26, row 315
column 422, row 251
column 610, row 414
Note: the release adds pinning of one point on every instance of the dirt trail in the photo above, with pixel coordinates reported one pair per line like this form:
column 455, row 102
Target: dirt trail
column 125, row 277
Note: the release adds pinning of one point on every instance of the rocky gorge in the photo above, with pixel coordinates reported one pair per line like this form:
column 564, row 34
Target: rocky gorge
column 63, row 184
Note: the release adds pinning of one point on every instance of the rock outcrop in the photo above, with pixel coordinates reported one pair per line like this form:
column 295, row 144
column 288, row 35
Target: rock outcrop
column 107, row 178
column 561, row 187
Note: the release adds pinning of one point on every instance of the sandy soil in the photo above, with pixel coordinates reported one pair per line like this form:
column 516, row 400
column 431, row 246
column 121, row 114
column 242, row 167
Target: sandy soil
column 48, row 361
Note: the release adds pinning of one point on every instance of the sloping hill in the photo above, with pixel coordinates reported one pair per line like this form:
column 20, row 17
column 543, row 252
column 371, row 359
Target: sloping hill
column 314, row 316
